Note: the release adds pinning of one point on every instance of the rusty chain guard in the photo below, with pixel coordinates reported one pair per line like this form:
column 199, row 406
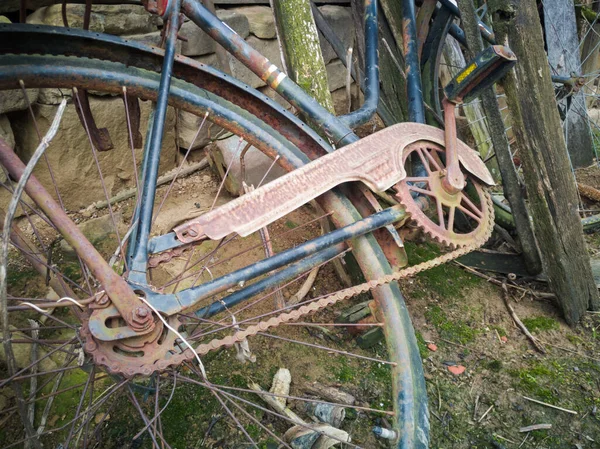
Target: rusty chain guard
column 158, row 354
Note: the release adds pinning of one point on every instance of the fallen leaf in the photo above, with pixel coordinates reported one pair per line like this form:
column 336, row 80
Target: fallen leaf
column 432, row 347
column 457, row 369
column 100, row 416
column 53, row 420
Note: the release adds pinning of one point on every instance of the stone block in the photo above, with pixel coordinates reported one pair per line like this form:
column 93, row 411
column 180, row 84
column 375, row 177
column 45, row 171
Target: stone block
column 199, row 43
column 70, row 155
column 13, row 100
column 110, row 19
column 153, row 39
column 340, row 20
column 261, row 20
column 256, row 163
column 51, row 95
column 336, row 75
column 6, row 133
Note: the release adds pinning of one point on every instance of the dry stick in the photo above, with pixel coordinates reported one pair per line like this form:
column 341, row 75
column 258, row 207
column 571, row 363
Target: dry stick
column 308, row 283
column 499, row 283
column 503, row 438
column 519, row 323
column 33, row 387
column 275, row 404
column 8, row 218
column 569, row 350
column 486, row 412
column 535, row 427
column 167, row 177
column 566, row 410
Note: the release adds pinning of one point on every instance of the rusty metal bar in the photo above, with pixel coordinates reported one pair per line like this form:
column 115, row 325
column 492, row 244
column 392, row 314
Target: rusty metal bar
column 116, row 287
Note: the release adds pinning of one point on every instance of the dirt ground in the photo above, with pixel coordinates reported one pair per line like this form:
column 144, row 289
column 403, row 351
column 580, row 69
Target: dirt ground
column 460, row 320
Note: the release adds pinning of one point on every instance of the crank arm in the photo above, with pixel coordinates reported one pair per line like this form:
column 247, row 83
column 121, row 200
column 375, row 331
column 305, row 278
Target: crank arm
column 375, row 160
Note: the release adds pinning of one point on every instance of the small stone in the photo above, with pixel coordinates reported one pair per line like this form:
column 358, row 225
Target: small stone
column 504, row 339
column 432, row 347
column 576, row 369
column 457, row 370
column 110, row 19
column 199, row 43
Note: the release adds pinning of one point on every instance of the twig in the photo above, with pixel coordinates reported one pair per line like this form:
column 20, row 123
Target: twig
column 569, row 350
column 35, row 333
column 524, row 439
column 535, row 427
column 130, row 193
column 499, row 283
column 275, row 404
column 475, row 408
column 306, row 286
column 502, row 438
column 8, row 218
column 437, row 386
column 566, row 410
column 486, row 412
column 516, row 319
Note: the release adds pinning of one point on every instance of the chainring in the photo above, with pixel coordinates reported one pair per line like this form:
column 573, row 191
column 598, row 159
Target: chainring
column 454, row 220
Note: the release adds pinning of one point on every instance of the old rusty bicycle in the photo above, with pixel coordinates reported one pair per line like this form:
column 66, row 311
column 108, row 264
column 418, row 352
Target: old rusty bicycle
column 158, row 318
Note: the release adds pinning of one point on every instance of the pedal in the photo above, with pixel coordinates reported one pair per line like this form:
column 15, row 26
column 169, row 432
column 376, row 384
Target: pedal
column 488, row 67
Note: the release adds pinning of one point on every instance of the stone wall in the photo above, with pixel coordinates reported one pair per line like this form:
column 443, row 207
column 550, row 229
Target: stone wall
column 70, row 155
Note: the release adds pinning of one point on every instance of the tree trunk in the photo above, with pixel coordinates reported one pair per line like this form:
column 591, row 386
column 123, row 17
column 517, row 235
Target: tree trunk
column 301, row 49
column 563, row 55
column 511, row 186
column 548, row 177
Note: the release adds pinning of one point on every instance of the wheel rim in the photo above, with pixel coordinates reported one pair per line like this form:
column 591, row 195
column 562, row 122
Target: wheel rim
column 120, row 387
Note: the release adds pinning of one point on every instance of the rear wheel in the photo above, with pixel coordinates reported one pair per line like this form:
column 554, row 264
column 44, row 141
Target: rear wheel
column 78, row 392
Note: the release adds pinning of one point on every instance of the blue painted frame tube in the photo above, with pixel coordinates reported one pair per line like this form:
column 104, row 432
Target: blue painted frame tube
column 189, row 297
column 334, row 128
column 416, row 107
column 369, row 107
column 152, row 156
column 288, row 273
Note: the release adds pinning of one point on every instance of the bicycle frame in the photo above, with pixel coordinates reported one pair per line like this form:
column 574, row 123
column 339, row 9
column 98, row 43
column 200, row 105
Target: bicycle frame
column 302, row 257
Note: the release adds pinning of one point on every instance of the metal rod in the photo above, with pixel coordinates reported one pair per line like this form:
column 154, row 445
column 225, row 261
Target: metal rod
column 152, row 156
column 339, row 133
column 282, row 276
column 369, row 107
column 416, row 108
column 189, row 297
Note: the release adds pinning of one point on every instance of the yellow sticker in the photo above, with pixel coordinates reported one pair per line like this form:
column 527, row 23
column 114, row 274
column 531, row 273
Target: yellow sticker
column 466, row 72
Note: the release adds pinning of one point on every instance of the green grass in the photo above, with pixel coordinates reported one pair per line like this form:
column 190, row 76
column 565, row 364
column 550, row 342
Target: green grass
column 456, row 330
column 445, row 280
column 540, row 324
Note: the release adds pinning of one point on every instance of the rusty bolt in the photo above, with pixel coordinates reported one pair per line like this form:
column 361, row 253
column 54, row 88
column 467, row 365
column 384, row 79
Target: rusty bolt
column 142, row 316
column 102, row 299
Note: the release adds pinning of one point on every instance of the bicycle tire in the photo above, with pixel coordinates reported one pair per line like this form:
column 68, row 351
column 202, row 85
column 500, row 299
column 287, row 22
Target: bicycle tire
column 44, row 70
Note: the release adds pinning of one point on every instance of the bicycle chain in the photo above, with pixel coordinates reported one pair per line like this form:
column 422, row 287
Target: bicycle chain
column 329, row 300
column 341, row 295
